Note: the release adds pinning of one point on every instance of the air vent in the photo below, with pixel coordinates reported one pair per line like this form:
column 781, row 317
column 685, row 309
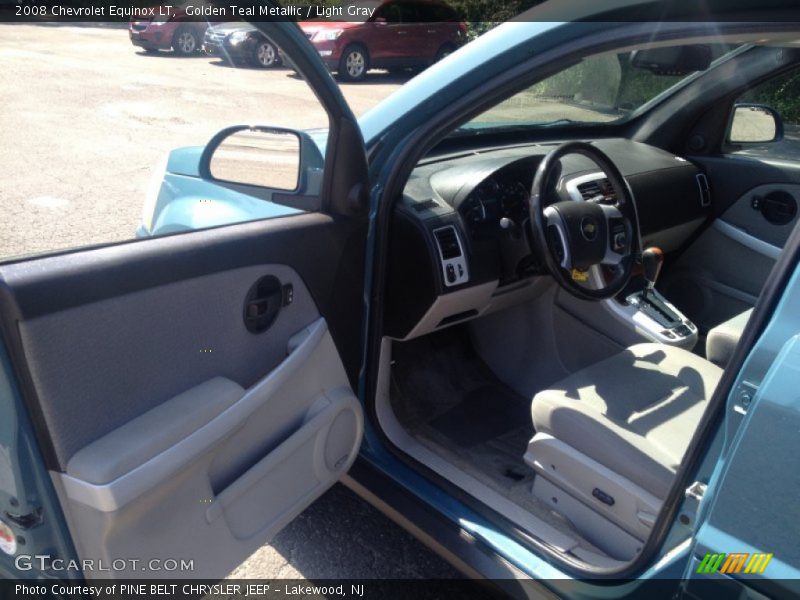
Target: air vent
column 597, row 187
column 454, row 264
column 448, row 242
column 705, row 190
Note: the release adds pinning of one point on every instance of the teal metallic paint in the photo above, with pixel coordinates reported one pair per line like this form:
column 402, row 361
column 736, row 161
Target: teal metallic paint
column 25, row 486
column 773, row 365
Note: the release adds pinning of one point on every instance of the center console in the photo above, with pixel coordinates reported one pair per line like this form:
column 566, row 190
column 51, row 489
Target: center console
column 657, row 319
column 649, row 313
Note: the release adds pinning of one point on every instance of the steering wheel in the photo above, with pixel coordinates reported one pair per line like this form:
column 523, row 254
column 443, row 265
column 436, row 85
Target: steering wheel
column 573, row 236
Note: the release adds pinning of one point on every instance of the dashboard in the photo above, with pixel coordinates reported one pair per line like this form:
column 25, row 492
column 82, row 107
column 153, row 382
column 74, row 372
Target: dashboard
column 460, row 246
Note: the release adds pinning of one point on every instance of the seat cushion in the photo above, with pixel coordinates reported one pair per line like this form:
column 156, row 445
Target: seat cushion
column 722, row 339
column 634, row 413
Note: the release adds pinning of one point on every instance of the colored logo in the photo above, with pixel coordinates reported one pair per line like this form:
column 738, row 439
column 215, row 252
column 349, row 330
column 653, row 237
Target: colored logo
column 589, row 228
column 737, row 562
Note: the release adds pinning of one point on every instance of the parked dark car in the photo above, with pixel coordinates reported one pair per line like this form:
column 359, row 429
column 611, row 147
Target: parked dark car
column 175, row 32
column 399, row 34
column 240, row 43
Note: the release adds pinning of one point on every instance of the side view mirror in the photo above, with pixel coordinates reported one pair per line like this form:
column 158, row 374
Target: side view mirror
column 755, row 124
column 380, row 21
column 261, row 160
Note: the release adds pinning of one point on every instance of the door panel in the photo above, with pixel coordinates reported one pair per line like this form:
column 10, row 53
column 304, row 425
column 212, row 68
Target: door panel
column 395, row 40
column 220, row 492
column 174, row 431
column 722, row 273
column 177, row 336
column 429, row 32
column 192, row 393
column 743, row 216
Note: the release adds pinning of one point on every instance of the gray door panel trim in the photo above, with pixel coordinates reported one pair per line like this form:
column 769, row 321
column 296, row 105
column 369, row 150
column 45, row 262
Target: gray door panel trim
column 747, row 240
column 119, row 358
column 44, row 285
column 735, row 175
column 303, row 442
column 741, row 214
column 727, row 290
column 123, row 490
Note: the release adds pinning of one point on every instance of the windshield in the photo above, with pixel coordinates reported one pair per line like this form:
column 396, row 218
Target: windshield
column 604, row 88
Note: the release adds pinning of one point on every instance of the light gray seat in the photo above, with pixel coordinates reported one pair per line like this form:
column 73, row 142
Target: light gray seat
column 722, row 339
column 634, row 413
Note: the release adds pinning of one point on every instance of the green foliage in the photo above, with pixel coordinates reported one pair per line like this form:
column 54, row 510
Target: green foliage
column 781, row 93
column 639, row 86
column 483, row 15
column 605, row 80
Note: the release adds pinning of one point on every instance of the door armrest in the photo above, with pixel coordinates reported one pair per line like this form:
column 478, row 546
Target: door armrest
column 149, row 434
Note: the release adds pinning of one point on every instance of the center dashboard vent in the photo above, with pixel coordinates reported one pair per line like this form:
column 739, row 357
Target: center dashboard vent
column 597, row 187
column 454, row 264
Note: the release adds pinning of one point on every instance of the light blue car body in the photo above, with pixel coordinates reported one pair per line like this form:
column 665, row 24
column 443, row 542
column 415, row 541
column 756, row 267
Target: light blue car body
column 186, row 201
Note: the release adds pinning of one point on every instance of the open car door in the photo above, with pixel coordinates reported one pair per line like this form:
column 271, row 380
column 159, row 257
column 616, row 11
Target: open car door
column 745, row 542
column 188, row 395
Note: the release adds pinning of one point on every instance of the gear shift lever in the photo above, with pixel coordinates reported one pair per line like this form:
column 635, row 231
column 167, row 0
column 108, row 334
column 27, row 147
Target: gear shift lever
column 649, row 300
column 652, row 259
column 665, row 323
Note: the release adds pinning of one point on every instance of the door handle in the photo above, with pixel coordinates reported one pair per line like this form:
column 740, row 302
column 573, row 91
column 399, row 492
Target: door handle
column 778, row 207
column 264, row 301
column 258, row 307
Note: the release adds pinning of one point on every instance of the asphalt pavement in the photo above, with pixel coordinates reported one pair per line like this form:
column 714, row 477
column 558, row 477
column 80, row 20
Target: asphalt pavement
column 338, row 536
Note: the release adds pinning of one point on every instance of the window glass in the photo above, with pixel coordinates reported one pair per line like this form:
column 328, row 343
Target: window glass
column 445, row 13
column 434, row 13
column 392, row 13
column 600, row 89
column 103, row 125
column 410, row 13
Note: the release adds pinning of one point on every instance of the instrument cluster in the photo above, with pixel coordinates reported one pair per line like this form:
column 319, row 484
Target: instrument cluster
column 493, row 200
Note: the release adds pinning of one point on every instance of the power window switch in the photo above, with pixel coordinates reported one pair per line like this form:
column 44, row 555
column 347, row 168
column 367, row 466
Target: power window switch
column 450, row 273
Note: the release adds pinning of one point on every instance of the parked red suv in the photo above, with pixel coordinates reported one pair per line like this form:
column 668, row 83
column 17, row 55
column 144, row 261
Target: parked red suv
column 399, row 34
column 176, row 31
